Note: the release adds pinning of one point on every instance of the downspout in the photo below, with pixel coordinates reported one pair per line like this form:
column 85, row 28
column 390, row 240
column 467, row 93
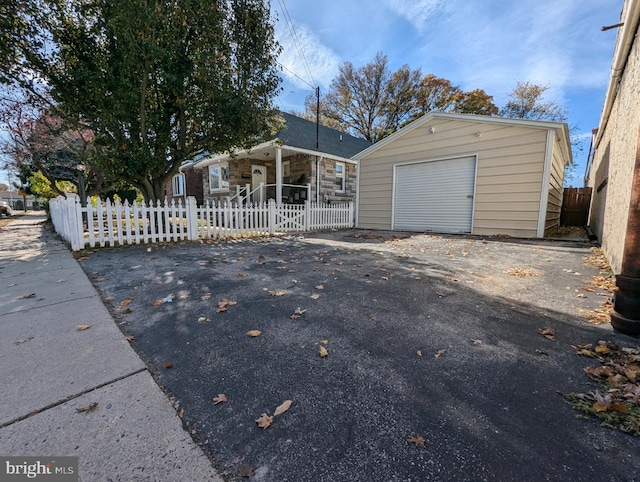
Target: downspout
column 627, row 36
column 626, row 302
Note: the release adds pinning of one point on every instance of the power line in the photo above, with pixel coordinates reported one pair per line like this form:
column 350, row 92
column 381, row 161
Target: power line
column 297, row 43
column 296, row 75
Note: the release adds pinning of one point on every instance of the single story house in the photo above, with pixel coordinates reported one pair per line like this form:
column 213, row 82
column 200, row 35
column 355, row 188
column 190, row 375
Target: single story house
column 303, row 161
column 462, row 173
column 613, row 172
column 187, row 183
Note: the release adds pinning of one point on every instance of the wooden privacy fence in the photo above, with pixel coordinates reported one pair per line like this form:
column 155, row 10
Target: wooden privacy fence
column 113, row 223
column 575, row 206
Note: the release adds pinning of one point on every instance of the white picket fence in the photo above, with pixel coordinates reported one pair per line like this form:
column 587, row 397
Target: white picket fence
column 113, row 223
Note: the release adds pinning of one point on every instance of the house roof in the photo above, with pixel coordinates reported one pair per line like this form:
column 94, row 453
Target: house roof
column 299, row 136
column 561, row 129
column 301, row 133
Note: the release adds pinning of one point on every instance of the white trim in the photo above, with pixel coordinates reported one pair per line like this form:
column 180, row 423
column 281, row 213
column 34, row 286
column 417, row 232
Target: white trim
column 178, row 180
column 546, row 178
column 220, row 165
column 278, row 176
column 343, row 177
column 357, row 207
column 267, row 146
column 557, row 126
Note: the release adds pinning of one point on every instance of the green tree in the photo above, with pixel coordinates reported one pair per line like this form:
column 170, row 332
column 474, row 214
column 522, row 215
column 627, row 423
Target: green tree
column 155, row 82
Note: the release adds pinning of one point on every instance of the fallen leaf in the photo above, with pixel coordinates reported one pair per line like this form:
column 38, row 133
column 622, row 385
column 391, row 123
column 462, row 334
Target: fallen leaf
column 221, row 309
column 254, row 333
column 168, row 365
column 419, row 352
column 324, row 342
column 373, row 318
column 245, row 470
column 126, row 302
column 548, row 332
column 276, row 293
column 203, row 319
column 110, row 298
column 129, row 337
column 158, row 302
column 181, row 413
column 439, row 353
column 602, row 349
column 585, row 352
column 24, row 297
column 264, row 421
column 294, row 316
column 283, row 407
column 24, row 340
column 417, row 441
column 299, row 311
column 600, row 407
column 89, row 408
column 319, row 287
column 315, row 296
column 323, row 352
column 477, row 342
column 83, row 327
column 221, row 398
column 205, row 296
column 242, row 275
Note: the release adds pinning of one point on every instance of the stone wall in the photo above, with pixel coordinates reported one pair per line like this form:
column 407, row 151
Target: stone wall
column 611, row 174
column 302, row 171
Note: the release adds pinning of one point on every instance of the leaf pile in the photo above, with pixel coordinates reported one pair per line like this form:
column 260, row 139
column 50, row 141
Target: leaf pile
column 522, row 272
column 617, row 403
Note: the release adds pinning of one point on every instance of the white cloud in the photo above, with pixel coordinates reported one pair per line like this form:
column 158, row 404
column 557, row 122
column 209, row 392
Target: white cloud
column 416, row 12
column 304, row 56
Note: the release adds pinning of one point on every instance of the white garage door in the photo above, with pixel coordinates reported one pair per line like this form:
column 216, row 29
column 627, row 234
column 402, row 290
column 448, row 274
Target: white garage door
column 435, row 196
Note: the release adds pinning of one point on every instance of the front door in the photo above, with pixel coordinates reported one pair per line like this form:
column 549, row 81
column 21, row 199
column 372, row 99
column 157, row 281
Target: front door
column 258, row 176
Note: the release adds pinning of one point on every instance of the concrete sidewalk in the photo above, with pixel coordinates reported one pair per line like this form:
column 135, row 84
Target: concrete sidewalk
column 49, row 369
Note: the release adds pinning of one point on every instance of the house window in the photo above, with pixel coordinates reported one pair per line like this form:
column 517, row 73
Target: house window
column 286, row 170
column 177, row 185
column 340, row 176
column 219, row 177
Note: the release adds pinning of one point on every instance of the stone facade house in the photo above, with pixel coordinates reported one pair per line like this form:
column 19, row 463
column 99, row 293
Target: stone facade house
column 303, row 161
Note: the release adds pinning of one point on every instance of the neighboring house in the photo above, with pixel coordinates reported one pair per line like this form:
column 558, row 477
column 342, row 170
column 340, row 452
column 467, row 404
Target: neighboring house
column 302, row 162
column 17, row 200
column 613, row 173
column 612, row 162
column 461, row 173
column 188, row 182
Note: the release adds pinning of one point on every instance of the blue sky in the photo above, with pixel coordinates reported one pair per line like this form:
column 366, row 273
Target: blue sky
column 485, row 44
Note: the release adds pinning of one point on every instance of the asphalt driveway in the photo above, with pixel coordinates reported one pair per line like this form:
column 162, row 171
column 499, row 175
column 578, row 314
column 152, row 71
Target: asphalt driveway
column 427, row 338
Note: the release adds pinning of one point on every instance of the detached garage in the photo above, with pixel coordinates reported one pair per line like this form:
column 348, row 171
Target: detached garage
column 460, row 173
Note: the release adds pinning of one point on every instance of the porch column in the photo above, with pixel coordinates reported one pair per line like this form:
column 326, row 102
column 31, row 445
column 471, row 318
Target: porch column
column 278, row 176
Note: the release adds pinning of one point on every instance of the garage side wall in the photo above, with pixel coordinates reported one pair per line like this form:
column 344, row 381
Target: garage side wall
column 556, row 182
column 509, row 173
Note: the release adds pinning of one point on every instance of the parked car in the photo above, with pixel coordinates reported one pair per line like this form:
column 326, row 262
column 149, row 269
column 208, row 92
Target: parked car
column 5, row 208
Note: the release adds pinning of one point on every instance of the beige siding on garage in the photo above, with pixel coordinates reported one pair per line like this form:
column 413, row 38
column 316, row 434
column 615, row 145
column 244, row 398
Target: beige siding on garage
column 509, row 172
column 556, row 182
